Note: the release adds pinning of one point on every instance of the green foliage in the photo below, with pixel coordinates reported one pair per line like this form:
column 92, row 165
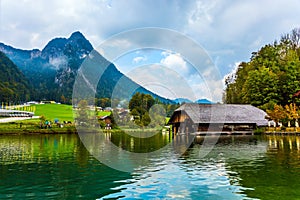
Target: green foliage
column 139, row 106
column 103, row 102
column 145, row 121
column 14, row 87
column 170, row 108
column 102, row 124
column 258, row 131
column 141, row 102
column 157, row 114
column 43, row 119
column 272, row 75
column 147, row 111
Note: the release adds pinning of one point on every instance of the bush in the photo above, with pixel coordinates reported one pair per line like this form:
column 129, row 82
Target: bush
column 259, row 131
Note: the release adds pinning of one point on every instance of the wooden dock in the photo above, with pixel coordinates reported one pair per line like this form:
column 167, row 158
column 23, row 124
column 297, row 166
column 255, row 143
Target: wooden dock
column 213, row 133
column 282, row 133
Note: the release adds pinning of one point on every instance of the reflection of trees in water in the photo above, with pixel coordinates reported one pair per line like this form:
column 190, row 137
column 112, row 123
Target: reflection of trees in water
column 266, row 167
column 282, row 143
column 139, row 142
column 275, row 174
column 37, row 148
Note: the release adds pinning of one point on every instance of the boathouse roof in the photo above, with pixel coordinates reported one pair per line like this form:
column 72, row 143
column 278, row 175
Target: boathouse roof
column 222, row 113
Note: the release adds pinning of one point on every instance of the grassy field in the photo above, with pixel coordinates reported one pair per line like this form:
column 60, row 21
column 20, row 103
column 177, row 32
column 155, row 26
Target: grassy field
column 61, row 112
column 54, row 111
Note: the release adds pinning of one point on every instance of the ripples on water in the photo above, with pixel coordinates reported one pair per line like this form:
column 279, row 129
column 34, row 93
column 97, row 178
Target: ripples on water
column 242, row 167
column 186, row 177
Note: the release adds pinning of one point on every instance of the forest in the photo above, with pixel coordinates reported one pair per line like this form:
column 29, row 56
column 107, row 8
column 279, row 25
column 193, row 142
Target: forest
column 272, row 76
column 13, row 85
column 270, row 79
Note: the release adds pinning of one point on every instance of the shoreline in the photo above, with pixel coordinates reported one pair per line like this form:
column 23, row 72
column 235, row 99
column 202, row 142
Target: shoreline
column 67, row 130
column 73, row 130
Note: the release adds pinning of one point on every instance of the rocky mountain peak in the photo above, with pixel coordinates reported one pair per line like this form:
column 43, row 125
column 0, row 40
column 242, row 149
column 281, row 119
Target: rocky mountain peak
column 77, row 35
column 54, row 48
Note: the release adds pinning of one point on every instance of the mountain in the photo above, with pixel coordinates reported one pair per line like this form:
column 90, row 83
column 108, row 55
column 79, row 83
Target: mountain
column 52, row 70
column 204, row 101
column 182, row 100
column 13, row 86
column 112, row 83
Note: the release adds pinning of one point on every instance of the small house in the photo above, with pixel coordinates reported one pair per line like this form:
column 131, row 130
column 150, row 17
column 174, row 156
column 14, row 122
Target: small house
column 230, row 118
column 107, row 120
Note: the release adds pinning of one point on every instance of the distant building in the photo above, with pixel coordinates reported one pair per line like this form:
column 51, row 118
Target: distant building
column 107, row 120
column 108, row 109
column 31, row 103
column 230, row 118
column 123, row 114
column 48, row 102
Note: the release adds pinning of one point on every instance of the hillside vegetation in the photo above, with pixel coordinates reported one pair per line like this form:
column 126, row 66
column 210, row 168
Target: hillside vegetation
column 271, row 76
column 13, row 85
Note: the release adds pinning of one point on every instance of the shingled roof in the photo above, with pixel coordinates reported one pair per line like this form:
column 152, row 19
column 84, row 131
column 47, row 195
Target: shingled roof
column 223, row 113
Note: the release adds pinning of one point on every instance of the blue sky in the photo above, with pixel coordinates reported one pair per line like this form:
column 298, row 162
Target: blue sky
column 228, row 30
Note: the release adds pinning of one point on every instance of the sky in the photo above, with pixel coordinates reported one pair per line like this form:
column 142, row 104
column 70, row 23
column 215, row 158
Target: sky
column 228, row 31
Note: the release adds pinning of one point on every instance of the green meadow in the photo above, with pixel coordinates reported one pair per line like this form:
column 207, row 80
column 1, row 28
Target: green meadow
column 51, row 112
column 61, row 112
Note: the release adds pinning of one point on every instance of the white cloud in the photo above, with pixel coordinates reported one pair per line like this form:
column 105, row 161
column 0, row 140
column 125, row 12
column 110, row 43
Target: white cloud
column 229, row 30
column 206, row 88
column 139, row 59
column 162, row 81
column 175, row 62
column 58, row 62
column 96, row 18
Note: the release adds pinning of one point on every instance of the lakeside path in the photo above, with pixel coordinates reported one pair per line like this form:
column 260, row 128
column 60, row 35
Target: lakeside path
column 13, row 119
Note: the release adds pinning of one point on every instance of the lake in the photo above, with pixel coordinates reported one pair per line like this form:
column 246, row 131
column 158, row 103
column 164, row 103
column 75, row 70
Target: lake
column 238, row 167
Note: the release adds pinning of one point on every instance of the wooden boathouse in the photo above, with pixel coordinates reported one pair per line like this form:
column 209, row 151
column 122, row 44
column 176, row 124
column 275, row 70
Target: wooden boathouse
column 217, row 118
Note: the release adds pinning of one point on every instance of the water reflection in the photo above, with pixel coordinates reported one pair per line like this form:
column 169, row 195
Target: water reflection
column 275, row 174
column 277, row 142
column 238, row 167
column 34, row 148
column 52, row 166
column 126, row 152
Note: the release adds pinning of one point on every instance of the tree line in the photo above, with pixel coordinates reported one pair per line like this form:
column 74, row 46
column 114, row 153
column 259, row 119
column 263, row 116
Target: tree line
column 147, row 111
column 271, row 77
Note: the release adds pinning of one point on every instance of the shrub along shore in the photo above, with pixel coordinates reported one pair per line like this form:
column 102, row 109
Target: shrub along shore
column 33, row 127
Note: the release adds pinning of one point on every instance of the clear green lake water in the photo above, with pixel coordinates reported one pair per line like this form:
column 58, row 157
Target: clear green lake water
column 238, row 167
